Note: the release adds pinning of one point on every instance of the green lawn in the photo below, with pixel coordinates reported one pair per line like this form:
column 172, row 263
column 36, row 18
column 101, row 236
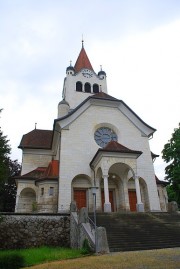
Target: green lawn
column 148, row 259
column 61, row 258
column 28, row 257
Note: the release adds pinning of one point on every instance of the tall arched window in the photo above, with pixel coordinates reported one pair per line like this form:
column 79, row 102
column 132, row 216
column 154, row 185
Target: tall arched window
column 95, row 88
column 78, row 86
column 87, row 87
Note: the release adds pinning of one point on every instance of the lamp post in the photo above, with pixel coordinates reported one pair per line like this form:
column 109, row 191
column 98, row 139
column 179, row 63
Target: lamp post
column 94, row 189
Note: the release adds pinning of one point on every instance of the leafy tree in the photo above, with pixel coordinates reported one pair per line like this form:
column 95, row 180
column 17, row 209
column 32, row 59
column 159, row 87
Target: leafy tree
column 171, row 155
column 171, row 193
column 8, row 169
column 4, row 153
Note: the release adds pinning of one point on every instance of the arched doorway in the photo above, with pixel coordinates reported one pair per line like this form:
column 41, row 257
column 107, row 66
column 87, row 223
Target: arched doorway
column 132, row 195
column 27, row 200
column 119, row 172
column 81, row 191
column 113, row 187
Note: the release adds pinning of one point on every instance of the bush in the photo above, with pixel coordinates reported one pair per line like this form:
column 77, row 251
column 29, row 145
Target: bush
column 11, row 261
column 86, row 247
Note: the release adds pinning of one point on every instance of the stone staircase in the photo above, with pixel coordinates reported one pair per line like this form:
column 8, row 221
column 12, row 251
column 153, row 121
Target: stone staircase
column 140, row 231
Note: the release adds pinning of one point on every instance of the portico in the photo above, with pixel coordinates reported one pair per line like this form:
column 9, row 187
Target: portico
column 114, row 165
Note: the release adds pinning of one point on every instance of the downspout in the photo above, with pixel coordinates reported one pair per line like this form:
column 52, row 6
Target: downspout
column 94, row 176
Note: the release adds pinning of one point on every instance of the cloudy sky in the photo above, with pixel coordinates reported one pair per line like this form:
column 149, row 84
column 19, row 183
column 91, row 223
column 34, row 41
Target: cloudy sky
column 136, row 41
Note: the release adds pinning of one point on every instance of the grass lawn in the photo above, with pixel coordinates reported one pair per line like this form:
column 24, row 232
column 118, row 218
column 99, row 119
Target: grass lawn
column 148, row 259
column 34, row 256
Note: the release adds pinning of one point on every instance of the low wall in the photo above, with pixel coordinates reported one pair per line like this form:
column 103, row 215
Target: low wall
column 27, row 230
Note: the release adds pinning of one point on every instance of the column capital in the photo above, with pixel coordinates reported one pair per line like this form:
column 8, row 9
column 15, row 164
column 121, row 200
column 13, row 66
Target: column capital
column 136, row 176
column 105, row 165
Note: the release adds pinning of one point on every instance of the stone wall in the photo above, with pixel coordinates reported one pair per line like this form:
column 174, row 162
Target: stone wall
column 25, row 230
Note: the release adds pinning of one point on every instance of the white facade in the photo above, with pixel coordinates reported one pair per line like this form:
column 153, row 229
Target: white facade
column 122, row 170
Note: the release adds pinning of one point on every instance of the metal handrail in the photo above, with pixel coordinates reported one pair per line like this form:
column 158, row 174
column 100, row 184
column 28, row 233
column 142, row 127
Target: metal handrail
column 92, row 224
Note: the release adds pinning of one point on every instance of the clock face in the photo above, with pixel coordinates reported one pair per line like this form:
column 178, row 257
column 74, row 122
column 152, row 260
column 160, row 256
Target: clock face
column 104, row 135
column 87, row 73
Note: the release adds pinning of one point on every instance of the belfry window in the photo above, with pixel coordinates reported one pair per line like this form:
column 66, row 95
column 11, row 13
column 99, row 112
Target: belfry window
column 95, row 88
column 78, row 86
column 87, row 87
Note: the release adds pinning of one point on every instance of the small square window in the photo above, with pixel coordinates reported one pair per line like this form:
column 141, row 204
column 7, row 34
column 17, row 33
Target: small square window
column 51, row 191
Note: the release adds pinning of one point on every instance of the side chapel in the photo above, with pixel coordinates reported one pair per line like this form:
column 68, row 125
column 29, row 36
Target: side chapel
column 96, row 140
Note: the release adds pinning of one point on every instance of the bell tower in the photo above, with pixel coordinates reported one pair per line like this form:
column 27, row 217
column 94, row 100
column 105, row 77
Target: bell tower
column 81, row 80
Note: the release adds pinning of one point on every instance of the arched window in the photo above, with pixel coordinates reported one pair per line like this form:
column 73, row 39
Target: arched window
column 87, row 87
column 95, row 88
column 78, row 86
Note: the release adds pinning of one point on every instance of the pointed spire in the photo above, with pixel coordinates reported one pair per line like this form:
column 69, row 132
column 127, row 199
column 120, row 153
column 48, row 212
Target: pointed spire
column 82, row 42
column 82, row 60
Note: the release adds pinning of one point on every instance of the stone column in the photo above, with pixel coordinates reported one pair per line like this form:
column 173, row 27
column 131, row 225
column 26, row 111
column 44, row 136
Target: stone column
column 107, row 204
column 126, row 196
column 17, row 203
column 139, row 205
column 98, row 196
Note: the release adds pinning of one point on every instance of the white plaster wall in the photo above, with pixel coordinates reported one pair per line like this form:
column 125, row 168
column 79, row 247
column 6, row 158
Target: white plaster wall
column 73, row 97
column 78, row 148
column 31, row 161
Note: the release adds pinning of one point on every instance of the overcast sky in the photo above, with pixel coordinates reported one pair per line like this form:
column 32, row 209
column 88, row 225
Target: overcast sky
column 137, row 42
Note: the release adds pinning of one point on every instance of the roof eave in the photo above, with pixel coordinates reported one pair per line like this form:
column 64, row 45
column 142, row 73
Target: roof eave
column 100, row 152
column 149, row 130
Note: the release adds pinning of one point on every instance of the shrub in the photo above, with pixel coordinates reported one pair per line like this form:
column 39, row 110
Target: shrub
column 86, row 247
column 11, row 261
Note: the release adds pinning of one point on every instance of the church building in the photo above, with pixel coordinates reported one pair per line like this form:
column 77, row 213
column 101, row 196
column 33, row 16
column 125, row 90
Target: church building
column 96, row 141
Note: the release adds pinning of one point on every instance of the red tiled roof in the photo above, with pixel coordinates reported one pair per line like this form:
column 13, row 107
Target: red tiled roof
column 36, row 173
column 53, row 169
column 82, row 61
column 115, row 146
column 40, row 173
column 39, row 139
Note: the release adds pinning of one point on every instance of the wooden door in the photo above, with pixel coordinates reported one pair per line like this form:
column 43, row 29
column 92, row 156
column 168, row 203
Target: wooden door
column 132, row 200
column 80, row 198
column 111, row 199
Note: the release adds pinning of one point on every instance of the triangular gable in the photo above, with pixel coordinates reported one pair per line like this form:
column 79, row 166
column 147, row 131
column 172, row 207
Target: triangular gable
column 102, row 99
column 114, row 148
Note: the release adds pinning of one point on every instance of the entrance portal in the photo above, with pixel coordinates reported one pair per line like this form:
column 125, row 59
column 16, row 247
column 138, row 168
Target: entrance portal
column 80, row 198
column 132, row 200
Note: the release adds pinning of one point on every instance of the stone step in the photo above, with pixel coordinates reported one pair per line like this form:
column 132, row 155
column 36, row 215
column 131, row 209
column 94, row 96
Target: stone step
column 138, row 231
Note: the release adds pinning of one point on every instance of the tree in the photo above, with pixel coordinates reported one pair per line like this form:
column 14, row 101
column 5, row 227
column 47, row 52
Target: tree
column 171, row 155
column 8, row 169
column 4, row 153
